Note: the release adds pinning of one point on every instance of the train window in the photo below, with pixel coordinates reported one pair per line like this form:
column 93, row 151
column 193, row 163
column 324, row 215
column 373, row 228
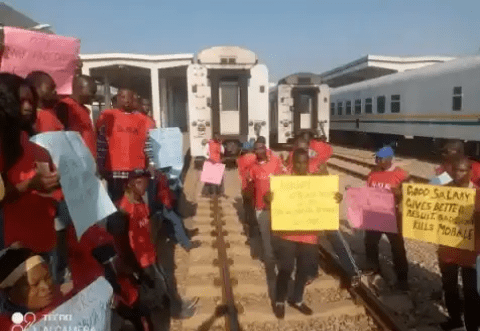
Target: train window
column 381, row 104
column 348, row 108
column 339, row 108
column 368, row 105
column 232, row 61
column 457, row 98
column 395, row 103
column 358, row 106
column 332, row 108
column 229, row 96
column 306, row 104
column 223, row 60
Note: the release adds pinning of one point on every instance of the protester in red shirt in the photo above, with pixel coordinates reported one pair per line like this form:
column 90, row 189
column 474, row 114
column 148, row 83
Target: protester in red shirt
column 122, row 135
column 244, row 162
column 74, row 114
column 451, row 151
column 388, row 177
column 323, row 150
column 297, row 250
column 452, row 260
column 259, row 174
column 213, row 152
column 45, row 87
column 139, row 107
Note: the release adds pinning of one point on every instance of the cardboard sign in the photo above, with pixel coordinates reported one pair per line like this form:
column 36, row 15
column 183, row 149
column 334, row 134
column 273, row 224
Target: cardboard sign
column 304, row 203
column 86, row 198
column 167, row 146
column 439, row 214
column 27, row 51
column 88, row 310
column 371, row 208
column 212, row 173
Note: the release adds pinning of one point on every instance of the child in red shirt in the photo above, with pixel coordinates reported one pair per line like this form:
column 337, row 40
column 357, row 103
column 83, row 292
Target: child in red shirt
column 391, row 178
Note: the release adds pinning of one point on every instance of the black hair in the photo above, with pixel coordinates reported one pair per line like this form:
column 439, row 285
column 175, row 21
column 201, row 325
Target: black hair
column 36, row 78
column 10, row 122
column 11, row 259
column 261, row 140
column 455, row 143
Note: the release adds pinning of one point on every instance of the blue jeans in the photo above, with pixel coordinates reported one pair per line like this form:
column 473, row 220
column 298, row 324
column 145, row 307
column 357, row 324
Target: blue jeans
column 178, row 229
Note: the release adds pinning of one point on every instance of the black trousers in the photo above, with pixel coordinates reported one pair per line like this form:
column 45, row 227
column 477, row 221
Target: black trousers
column 291, row 254
column 453, row 302
column 372, row 241
column 249, row 212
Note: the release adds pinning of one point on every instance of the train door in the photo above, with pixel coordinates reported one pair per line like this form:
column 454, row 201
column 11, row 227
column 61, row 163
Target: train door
column 323, row 111
column 229, row 90
column 229, row 104
column 304, row 109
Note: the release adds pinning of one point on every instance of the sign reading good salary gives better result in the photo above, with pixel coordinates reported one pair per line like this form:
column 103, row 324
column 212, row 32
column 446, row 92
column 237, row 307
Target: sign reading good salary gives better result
column 439, row 214
column 304, row 203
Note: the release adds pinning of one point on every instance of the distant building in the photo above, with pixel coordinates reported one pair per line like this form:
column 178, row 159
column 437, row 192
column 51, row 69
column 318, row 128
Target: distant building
column 373, row 66
column 11, row 17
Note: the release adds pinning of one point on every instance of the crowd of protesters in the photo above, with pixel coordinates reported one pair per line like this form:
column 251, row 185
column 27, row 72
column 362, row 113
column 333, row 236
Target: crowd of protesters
column 43, row 263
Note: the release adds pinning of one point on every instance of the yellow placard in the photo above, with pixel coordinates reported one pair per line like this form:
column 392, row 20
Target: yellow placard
column 439, row 214
column 304, row 203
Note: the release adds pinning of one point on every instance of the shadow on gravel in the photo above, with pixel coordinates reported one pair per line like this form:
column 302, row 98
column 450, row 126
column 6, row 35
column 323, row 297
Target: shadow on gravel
column 425, row 285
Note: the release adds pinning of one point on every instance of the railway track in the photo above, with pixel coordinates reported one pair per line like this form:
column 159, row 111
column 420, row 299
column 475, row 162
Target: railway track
column 233, row 290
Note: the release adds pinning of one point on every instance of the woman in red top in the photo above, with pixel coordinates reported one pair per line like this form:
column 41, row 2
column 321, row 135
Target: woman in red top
column 453, row 260
column 295, row 251
column 391, row 178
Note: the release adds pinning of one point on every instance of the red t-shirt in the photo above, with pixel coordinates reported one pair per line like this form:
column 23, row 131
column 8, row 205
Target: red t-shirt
column 312, row 161
column 390, row 179
column 48, row 121
column 260, row 173
column 463, row 257
column 164, row 194
column 244, row 163
column 215, row 150
column 79, row 120
column 323, row 152
column 150, row 122
column 139, row 231
column 30, row 219
column 126, row 134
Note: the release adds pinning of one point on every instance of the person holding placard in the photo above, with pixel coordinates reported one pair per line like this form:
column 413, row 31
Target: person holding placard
column 213, row 152
column 244, row 162
column 389, row 177
column 297, row 250
column 452, row 260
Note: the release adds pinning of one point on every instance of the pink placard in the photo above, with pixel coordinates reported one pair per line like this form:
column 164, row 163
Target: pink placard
column 27, row 51
column 212, row 173
column 371, row 208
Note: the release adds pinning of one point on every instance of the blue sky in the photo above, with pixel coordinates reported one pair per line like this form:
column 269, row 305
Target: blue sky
column 289, row 36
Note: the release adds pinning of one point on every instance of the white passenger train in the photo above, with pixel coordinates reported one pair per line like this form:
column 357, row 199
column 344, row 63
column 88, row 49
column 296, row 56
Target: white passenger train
column 428, row 104
column 227, row 94
column 299, row 102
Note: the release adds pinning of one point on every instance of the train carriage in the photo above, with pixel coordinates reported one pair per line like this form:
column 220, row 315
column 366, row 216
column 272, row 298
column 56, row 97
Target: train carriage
column 299, row 102
column 428, row 104
column 227, row 93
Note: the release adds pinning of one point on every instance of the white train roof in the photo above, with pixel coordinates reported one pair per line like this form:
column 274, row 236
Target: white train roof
column 459, row 64
column 227, row 55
